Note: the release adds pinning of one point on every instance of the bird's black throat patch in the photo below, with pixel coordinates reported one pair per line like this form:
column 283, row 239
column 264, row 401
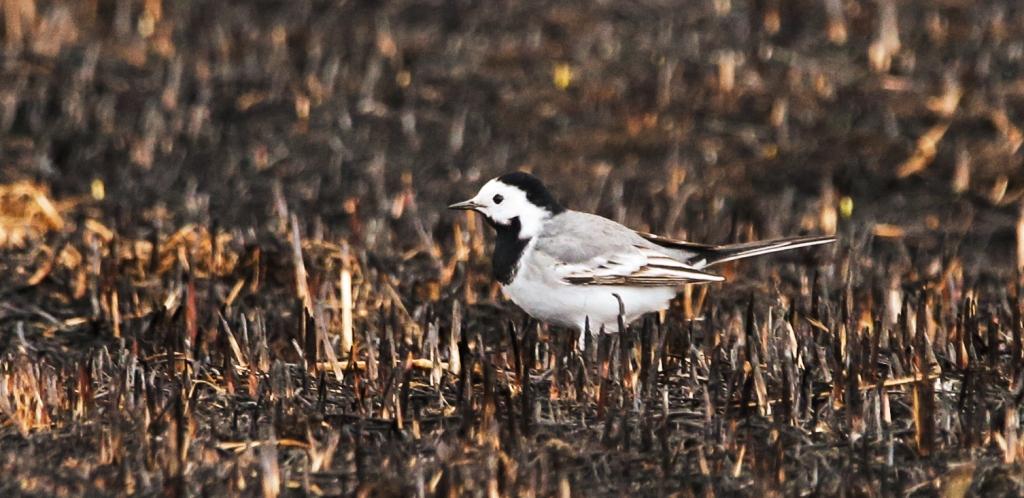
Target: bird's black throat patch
column 508, row 248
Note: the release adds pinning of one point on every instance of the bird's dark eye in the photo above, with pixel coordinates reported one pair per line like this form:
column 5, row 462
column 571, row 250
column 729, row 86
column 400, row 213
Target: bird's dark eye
column 498, row 198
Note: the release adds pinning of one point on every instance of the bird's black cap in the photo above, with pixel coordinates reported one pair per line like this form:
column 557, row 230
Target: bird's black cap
column 535, row 190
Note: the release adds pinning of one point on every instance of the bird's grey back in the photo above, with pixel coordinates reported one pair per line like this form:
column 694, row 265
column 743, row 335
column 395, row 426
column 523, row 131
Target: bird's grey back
column 575, row 237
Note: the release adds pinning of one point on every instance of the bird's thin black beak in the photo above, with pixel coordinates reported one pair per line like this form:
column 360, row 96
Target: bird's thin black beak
column 465, row 205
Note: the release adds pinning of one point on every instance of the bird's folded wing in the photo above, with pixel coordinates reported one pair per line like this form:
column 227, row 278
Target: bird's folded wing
column 632, row 265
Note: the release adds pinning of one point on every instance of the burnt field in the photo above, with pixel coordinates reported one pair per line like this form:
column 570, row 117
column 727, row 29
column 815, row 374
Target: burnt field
column 226, row 267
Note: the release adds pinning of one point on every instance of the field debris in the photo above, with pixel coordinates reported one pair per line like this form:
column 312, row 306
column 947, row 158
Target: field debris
column 226, row 268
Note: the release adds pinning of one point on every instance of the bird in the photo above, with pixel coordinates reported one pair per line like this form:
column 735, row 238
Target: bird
column 581, row 271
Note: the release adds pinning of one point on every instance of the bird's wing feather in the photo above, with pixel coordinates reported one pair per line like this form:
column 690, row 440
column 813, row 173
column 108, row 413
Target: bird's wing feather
column 590, row 250
column 637, row 267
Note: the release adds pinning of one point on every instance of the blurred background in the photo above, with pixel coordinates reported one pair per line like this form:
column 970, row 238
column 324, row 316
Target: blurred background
column 786, row 115
column 178, row 175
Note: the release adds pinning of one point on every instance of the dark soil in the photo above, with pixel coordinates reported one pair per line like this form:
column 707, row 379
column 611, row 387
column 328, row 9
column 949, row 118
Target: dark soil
column 184, row 185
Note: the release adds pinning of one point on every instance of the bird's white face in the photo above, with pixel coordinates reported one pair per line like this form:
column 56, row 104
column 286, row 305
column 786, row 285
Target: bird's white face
column 501, row 204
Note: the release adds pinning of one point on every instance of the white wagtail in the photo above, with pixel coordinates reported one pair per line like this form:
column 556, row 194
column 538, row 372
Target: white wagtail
column 565, row 267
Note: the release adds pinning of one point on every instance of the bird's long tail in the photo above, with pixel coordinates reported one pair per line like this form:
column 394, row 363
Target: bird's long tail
column 703, row 256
